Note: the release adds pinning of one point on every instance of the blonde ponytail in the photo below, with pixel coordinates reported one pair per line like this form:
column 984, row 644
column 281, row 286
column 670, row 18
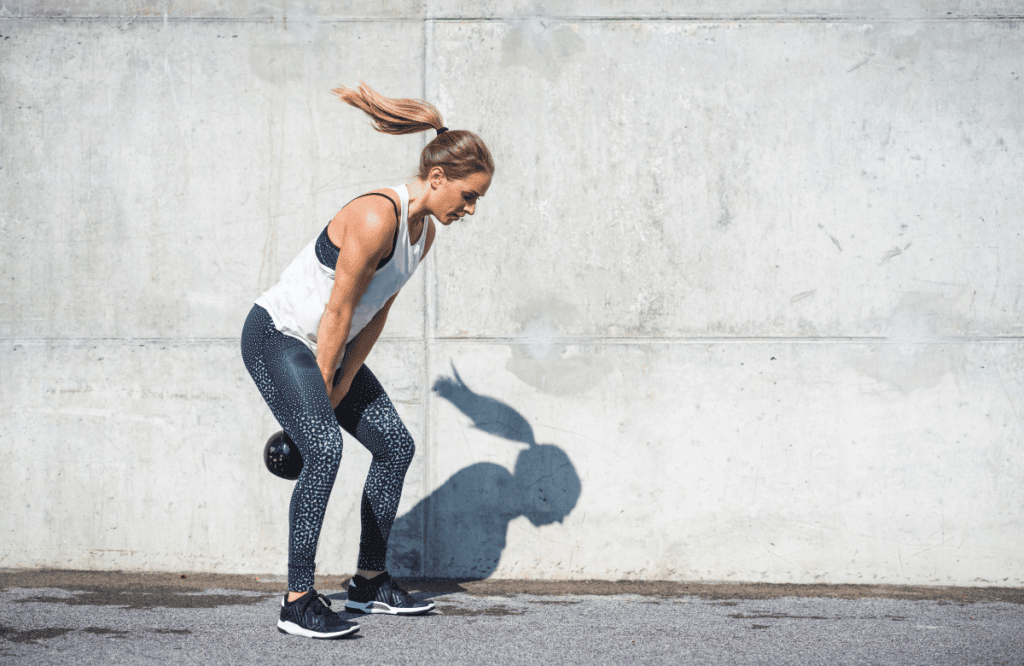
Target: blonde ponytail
column 392, row 116
column 459, row 153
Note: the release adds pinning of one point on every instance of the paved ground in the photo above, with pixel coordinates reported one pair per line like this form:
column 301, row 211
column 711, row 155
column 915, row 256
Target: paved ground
column 114, row 618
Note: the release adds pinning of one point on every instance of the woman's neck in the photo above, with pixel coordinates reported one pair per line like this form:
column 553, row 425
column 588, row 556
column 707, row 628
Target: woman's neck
column 418, row 191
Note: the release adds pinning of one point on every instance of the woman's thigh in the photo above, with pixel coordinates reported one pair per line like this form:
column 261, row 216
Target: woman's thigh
column 288, row 377
column 367, row 413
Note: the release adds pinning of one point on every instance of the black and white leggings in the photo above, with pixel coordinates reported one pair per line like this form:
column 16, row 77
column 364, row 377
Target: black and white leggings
column 287, row 374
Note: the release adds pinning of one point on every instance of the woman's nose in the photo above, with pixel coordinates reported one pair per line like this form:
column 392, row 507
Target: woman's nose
column 471, row 208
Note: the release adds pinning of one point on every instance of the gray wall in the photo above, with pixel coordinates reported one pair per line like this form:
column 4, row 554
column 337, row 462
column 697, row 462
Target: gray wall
column 743, row 303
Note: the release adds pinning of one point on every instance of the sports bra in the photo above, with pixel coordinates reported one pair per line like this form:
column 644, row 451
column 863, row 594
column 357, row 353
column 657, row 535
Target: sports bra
column 327, row 252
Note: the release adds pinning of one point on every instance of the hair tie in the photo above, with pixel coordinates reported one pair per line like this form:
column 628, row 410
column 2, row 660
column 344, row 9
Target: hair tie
column 442, row 131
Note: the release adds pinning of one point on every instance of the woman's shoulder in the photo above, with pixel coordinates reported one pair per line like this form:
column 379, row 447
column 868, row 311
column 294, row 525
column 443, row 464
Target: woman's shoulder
column 373, row 214
column 382, row 200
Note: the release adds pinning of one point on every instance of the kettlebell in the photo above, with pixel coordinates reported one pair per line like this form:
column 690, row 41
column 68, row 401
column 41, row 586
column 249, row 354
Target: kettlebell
column 282, row 456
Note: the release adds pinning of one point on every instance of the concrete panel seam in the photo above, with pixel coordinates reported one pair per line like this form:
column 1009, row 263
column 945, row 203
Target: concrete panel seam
column 736, row 340
column 588, row 340
column 429, row 324
column 123, row 340
column 205, row 19
column 763, row 18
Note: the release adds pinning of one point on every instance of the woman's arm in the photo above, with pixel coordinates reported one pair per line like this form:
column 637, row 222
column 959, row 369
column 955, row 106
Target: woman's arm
column 358, row 350
column 362, row 344
column 363, row 231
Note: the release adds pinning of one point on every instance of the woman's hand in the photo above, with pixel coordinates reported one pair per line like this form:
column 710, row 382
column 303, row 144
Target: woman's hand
column 340, row 390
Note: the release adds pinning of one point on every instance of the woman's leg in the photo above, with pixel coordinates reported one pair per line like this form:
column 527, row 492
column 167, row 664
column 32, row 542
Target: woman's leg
column 287, row 375
column 368, row 414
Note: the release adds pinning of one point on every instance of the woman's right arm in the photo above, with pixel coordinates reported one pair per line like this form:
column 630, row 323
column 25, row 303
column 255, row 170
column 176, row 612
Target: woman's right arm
column 363, row 231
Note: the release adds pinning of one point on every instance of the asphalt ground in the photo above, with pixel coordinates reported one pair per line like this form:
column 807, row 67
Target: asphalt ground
column 74, row 617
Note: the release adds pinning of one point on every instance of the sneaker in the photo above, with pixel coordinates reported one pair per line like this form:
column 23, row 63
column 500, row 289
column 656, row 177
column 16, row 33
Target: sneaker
column 311, row 616
column 382, row 595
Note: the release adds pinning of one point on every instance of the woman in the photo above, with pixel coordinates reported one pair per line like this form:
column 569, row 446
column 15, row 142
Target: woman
column 306, row 338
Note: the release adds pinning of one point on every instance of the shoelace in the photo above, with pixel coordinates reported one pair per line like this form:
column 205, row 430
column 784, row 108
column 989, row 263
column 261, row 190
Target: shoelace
column 390, row 584
column 322, row 608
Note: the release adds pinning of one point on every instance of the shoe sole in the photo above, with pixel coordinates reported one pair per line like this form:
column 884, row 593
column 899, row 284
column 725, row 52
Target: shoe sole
column 294, row 629
column 371, row 607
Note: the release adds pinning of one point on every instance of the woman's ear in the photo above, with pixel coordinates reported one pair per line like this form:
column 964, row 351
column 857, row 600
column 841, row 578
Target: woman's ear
column 436, row 177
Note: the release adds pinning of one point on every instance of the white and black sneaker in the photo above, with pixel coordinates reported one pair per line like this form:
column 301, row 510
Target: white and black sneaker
column 311, row 616
column 381, row 594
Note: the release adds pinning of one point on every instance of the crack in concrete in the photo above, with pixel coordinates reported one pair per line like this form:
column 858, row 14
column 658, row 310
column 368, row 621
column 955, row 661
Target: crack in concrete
column 498, row 610
column 33, row 636
column 145, row 599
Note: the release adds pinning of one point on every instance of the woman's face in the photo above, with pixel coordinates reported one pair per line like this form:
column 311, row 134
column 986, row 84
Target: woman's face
column 455, row 198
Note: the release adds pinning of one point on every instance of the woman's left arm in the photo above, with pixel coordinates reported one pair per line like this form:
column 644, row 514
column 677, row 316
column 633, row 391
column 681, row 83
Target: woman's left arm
column 360, row 347
column 357, row 351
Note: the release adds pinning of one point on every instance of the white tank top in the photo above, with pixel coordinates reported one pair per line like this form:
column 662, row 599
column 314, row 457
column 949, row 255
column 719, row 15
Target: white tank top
column 296, row 303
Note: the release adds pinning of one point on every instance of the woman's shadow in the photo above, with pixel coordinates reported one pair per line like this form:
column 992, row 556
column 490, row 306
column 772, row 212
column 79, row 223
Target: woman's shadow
column 458, row 531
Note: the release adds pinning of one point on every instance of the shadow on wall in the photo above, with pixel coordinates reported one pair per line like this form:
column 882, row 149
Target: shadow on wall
column 459, row 530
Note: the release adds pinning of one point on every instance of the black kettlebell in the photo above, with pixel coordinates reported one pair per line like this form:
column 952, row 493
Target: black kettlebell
column 282, row 456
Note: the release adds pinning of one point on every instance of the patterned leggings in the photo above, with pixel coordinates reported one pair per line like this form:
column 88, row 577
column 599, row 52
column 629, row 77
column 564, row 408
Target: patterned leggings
column 286, row 373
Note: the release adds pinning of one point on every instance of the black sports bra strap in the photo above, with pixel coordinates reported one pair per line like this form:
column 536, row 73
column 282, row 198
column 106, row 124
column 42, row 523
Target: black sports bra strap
column 398, row 223
column 398, row 216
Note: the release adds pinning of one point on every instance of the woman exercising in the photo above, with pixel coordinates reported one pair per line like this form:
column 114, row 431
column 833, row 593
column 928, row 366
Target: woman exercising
column 306, row 339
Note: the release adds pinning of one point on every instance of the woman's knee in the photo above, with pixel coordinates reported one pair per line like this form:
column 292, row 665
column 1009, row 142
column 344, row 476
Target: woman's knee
column 321, row 453
column 400, row 447
column 405, row 447
column 388, row 445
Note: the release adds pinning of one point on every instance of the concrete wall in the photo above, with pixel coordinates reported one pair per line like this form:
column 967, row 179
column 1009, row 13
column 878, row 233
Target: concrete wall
column 744, row 302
